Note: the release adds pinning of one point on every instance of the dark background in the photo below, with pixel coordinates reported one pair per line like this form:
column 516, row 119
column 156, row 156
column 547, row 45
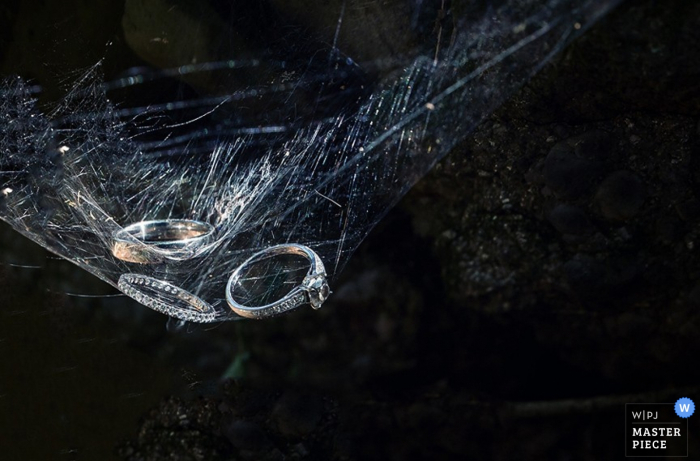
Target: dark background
column 541, row 276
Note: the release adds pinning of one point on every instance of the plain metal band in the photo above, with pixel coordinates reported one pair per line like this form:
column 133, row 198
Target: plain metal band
column 153, row 242
column 291, row 300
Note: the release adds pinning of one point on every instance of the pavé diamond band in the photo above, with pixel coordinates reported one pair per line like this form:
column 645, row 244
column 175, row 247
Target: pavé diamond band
column 313, row 290
column 166, row 298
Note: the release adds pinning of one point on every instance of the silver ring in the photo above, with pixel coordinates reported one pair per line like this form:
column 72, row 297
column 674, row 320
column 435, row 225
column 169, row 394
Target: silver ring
column 313, row 290
column 166, row 298
column 152, row 242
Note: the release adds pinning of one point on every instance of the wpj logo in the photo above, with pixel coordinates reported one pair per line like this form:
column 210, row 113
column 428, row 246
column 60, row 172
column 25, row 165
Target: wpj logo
column 645, row 415
column 658, row 429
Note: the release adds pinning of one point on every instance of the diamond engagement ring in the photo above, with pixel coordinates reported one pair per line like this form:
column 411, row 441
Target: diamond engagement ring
column 152, row 242
column 313, row 290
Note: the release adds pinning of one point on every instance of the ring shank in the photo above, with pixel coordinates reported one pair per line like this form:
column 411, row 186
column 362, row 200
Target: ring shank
column 152, row 242
column 169, row 231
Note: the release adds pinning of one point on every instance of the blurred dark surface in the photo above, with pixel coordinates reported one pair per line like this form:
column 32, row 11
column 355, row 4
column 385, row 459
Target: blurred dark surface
column 538, row 278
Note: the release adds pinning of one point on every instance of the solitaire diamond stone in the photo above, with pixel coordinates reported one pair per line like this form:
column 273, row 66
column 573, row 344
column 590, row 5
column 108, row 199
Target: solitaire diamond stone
column 318, row 290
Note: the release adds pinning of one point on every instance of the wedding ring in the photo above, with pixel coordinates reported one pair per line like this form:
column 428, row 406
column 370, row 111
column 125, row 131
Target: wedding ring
column 166, row 298
column 313, row 289
column 153, row 242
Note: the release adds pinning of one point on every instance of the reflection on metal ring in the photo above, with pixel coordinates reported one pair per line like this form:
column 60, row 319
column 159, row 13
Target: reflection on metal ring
column 153, row 242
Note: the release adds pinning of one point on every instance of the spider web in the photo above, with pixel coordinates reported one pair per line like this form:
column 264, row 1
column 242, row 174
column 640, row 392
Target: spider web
column 308, row 139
